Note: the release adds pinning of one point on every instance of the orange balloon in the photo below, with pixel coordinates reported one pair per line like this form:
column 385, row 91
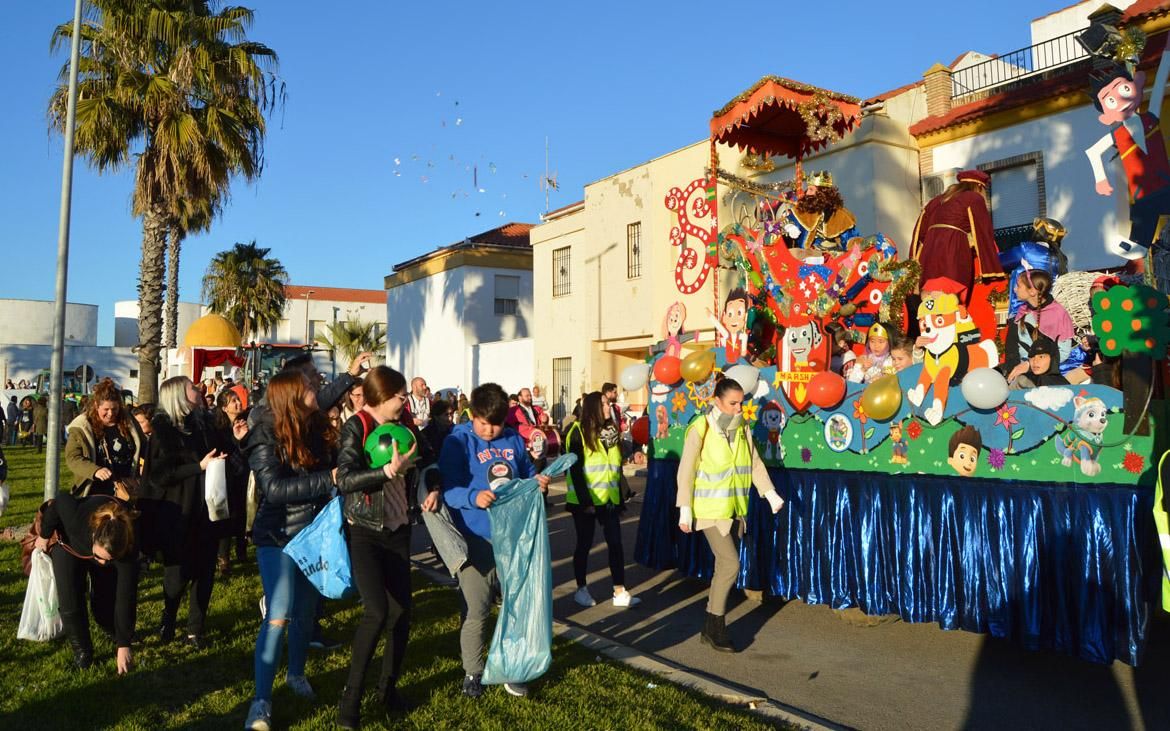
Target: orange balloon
column 826, row 389
column 666, row 370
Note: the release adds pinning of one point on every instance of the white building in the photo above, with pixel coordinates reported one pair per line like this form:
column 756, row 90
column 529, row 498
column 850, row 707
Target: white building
column 126, row 321
column 461, row 315
column 26, row 343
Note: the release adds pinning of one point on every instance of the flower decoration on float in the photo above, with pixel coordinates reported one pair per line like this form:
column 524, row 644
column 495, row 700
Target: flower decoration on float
column 678, row 402
column 1133, row 462
column 914, row 429
column 996, row 458
column 749, row 411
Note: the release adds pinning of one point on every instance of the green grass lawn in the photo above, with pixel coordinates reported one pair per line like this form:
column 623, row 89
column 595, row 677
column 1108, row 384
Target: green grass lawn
column 174, row 687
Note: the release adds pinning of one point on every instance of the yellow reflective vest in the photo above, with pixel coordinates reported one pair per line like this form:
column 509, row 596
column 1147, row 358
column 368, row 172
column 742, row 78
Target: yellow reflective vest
column 603, row 472
column 1162, row 520
column 723, row 477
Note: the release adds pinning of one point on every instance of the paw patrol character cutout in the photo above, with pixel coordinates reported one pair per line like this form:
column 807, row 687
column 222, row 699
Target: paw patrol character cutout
column 731, row 327
column 803, row 354
column 899, row 448
column 1081, row 442
column 964, row 447
column 663, row 422
column 951, row 341
column 772, row 418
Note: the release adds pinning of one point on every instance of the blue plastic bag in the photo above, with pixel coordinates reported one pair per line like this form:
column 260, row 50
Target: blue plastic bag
column 521, row 648
column 322, row 553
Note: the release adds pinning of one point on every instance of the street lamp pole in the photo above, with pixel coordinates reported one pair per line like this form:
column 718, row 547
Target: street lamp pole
column 307, row 294
column 57, row 360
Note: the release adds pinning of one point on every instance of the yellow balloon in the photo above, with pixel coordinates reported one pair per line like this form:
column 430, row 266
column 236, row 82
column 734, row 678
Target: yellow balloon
column 697, row 366
column 882, row 398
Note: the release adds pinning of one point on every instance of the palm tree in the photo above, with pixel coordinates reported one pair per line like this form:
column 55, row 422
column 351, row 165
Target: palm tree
column 246, row 286
column 193, row 216
column 174, row 89
column 349, row 338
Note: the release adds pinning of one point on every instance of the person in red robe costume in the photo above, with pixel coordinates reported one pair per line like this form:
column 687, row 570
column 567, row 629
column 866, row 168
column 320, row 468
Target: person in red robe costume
column 954, row 238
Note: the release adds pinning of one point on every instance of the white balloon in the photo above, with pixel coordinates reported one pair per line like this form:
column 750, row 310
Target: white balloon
column 745, row 375
column 985, row 388
column 635, row 376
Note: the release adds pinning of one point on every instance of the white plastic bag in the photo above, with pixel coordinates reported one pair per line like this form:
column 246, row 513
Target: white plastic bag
column 216, row 489
column 3, row 497
column 40, row 620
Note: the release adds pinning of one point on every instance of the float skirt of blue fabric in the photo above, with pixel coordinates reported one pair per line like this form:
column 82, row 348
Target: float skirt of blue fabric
column 1067, row 568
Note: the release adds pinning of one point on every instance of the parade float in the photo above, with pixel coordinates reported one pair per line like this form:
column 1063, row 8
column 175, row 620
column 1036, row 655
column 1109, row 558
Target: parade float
column 931, row 489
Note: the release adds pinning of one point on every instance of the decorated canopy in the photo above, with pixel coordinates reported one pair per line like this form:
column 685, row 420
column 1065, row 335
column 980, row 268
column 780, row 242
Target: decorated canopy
column 778, row 116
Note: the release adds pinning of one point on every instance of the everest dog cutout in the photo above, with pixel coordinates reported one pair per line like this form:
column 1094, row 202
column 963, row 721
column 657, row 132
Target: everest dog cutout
column 1081, row 442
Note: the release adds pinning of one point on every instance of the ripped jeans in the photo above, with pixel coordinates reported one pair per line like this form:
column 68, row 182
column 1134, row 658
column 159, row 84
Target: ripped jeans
column 290, row 601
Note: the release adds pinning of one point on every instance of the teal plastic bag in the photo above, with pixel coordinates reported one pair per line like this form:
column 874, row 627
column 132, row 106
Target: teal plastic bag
column 521, row 648
column 323, row 554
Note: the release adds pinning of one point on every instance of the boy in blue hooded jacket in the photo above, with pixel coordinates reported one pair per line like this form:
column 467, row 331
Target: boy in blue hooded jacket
column 475, row 457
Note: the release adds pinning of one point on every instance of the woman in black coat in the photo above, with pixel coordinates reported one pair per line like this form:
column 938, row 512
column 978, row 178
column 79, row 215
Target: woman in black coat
column 181, row 449
column 231, row 426
column 96, row 542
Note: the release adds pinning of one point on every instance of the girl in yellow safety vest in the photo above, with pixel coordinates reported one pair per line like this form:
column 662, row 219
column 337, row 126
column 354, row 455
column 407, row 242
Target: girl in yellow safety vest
column 718, row 467
column 596, row 495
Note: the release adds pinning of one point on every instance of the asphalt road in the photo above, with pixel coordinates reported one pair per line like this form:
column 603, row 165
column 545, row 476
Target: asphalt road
column 890, row 676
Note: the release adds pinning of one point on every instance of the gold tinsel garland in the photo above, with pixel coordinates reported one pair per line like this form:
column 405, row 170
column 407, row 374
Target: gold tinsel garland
column 1131, row 45
column 904, row 276
column 752, row 186
column 820, row 116
column 752, row 161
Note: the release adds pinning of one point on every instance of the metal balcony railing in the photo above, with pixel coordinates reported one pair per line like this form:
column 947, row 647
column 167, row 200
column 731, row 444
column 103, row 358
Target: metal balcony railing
column 1017, row 65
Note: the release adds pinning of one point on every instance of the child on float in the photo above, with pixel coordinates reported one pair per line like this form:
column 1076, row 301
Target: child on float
column 718, row 467
column 1038, row 313
column 902, row 353
column 877, row 361
column 474, row 458
column 1043, row 366
column 842, row 357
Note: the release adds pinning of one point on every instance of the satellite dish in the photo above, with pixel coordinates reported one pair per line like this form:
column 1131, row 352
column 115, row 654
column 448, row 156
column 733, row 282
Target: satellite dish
column 84, row 373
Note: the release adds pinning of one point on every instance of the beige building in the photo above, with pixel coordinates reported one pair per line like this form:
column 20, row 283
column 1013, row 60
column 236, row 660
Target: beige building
column 603, row 268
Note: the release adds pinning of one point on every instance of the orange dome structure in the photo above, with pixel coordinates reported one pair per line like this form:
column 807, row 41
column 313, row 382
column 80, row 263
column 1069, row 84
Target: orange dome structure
column 212, row 331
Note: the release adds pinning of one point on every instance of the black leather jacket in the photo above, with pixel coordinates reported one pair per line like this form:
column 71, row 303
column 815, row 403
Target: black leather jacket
column 289, row 497
column 361, row 485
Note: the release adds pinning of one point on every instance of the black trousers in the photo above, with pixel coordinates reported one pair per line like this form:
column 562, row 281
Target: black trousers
column 72, row 574
column 611, row 527
column 189, row 563
column 380, row 562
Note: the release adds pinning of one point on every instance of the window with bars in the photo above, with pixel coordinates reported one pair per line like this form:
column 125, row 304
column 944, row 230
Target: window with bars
column 1017, row 196
column 634, row 250
column 562, row 284
column 507, row 294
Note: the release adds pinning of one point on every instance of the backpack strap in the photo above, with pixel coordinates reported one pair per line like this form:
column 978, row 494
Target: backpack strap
column 367, row 424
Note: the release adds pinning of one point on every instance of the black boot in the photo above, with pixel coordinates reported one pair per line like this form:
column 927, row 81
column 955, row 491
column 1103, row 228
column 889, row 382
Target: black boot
column 82, row 654
column 715, row 634
column 391, row 700
column 349, row 709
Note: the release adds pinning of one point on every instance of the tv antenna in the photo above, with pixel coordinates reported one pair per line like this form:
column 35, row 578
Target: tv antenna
column 548, row 182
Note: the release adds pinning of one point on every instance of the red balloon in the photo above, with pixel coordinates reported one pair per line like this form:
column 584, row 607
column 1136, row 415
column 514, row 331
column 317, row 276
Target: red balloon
column 826, row 389
column 640, row 430
column 666, row 370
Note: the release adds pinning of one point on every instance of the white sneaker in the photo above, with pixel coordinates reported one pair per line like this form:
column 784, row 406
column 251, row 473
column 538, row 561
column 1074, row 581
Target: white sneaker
column 625, row 599
column 259, row 716
column 584, row 598
column 299, row 684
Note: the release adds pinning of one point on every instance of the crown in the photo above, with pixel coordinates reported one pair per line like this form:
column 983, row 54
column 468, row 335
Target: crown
column 821, row 179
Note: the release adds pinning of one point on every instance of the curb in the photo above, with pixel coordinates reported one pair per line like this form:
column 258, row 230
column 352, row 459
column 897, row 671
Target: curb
column 718, row 689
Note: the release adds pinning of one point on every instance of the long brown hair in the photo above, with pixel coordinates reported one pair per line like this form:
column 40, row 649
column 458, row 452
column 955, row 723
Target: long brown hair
column 293, row 421
column 103, row 392
column 112, row 526
column 592, row 421
column 382, row 384
column 956, row 188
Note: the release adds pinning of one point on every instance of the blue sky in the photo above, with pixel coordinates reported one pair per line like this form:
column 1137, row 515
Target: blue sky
column 441, row 87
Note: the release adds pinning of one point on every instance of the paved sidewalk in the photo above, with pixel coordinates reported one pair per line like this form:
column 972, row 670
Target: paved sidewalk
column 890, row 676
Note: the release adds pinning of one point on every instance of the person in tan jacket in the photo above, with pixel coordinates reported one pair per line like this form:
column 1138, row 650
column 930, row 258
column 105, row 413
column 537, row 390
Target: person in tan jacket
column 104, row 444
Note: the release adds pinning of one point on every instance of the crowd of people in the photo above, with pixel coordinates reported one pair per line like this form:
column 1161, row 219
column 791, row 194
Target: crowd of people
column 138, row 495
